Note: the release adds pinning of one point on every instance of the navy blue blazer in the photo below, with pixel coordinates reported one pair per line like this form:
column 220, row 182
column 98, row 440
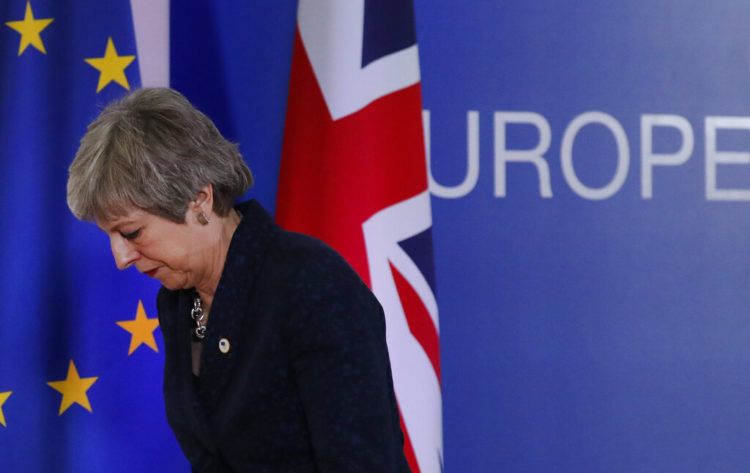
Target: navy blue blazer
column 306, row 383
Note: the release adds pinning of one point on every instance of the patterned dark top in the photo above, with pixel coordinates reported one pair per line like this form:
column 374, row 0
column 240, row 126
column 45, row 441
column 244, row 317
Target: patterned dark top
column 305, row 385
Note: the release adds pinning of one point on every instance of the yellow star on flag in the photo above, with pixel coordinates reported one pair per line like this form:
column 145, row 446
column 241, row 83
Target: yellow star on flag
column 30, row 28
column 141, row 329
column 73, row 389
column 111, row 67
column 3, row 397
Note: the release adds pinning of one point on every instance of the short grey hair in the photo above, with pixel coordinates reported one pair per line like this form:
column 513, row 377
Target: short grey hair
column 154, row 151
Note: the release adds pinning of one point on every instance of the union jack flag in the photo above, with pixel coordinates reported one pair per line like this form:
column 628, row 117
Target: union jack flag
column 354, row 175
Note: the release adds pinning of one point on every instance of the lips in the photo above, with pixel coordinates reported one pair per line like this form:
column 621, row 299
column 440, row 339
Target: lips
column 151, row 272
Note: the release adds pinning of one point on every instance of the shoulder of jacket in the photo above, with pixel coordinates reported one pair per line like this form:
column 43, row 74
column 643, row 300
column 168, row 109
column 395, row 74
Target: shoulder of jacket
column 304, row 249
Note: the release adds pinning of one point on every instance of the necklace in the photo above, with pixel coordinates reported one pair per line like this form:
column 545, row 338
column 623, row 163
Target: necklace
column 196, row 313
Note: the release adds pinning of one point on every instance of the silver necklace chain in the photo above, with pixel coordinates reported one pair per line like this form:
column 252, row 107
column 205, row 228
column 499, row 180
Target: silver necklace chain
column 199, row 317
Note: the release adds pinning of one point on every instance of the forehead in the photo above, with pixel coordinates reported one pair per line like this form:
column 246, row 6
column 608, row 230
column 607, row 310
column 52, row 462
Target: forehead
column 130, row 216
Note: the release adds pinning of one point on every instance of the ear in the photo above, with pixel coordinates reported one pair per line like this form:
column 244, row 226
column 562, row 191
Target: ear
column 203, row 201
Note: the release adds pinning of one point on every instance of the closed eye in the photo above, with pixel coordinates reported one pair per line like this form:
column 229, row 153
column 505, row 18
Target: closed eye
column 132, row 235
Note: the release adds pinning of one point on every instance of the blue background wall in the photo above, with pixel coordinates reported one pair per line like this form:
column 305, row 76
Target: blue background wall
column 577, row 335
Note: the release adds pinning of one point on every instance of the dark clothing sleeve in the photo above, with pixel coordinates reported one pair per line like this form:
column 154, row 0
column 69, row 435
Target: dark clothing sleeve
column 336, row 339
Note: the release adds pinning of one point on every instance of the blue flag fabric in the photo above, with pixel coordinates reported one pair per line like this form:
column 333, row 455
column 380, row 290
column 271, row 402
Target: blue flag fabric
column 80, row 350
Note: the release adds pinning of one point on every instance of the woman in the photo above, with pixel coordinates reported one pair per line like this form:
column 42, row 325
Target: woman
column 275, row 350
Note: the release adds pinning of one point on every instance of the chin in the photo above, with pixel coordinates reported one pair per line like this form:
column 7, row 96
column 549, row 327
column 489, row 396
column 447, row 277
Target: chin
column 174, row 285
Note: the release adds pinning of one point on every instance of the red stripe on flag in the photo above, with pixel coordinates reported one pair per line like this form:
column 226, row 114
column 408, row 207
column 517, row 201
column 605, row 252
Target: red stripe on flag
column 419, row 320
column 411, row 458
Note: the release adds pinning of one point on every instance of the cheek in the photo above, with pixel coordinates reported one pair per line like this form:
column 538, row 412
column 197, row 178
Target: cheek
column 172, row 248
column 176, row 257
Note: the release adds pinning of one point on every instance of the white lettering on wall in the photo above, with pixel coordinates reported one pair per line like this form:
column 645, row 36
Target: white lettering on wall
column 623, row 155
column 649, row 159
column 535, row 156
column 714, row 157
column 472, row 158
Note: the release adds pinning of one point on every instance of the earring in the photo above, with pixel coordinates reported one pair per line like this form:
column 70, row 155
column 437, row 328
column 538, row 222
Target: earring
column 202, row 219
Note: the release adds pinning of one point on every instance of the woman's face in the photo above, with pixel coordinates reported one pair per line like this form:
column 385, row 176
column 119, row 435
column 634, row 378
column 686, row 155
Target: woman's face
column 164, row 250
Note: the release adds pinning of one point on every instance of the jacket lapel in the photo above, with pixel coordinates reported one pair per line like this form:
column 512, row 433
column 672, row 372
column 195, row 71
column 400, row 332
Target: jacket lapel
column 197, row 419
column 232, row 301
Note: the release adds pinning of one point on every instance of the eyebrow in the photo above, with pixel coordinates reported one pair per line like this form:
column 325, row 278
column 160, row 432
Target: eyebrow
column 116, row 227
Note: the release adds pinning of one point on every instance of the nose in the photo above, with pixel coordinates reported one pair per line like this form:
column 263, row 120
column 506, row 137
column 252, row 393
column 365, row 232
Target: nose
column 123, row 251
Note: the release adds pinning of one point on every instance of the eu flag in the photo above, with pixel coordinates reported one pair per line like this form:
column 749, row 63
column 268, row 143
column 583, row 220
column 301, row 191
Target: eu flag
column 80, row 349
